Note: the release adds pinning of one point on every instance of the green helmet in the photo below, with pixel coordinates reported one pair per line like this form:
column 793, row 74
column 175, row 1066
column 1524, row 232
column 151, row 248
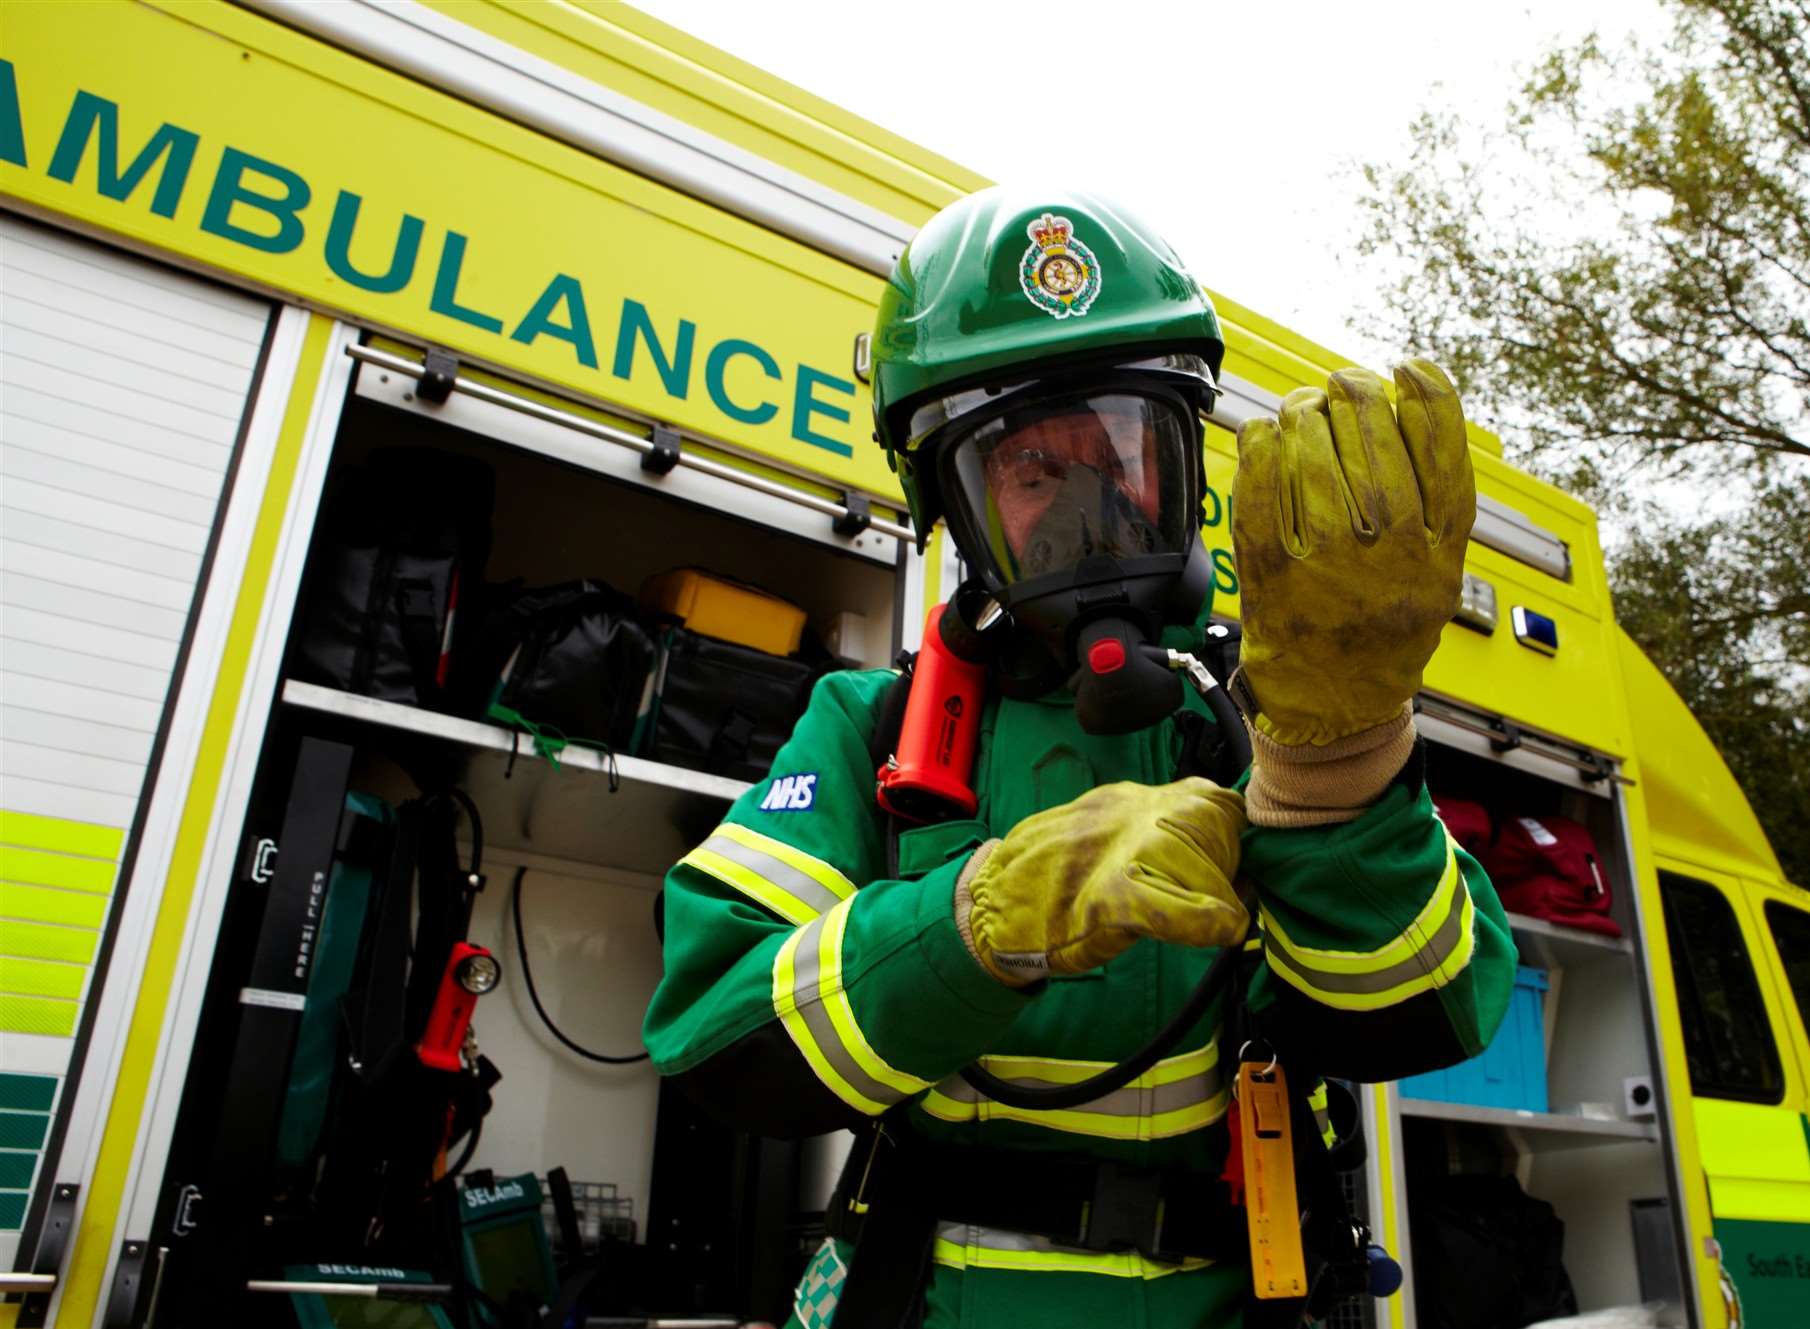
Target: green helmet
column 1008, row 286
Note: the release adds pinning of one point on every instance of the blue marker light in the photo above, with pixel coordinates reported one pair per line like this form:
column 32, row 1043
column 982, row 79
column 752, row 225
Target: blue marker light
column 1536, row 631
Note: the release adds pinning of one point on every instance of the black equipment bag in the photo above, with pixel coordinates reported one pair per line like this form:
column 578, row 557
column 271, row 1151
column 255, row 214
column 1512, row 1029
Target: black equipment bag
column 571, row 658
column 1486, row 1255
column 724, row 708
column 404, row 540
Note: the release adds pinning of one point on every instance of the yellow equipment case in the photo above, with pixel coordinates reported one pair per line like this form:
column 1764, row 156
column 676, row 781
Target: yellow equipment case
column 718, row 607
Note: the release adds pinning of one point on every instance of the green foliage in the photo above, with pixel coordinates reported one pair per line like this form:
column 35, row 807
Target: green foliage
column 1619, row 278
column 1720, row 608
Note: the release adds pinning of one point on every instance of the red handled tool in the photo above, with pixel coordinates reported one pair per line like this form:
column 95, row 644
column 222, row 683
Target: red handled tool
column 470, row 972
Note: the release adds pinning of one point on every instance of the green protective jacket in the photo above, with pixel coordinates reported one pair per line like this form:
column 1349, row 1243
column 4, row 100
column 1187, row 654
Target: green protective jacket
column 807, row 989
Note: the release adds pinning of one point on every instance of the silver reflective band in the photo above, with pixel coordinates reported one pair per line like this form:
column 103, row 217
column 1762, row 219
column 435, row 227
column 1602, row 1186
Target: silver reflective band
column 964, row 1246
column 807, row 1000
column 1131, row 1101
column 812, row 894
column 1433, row 953
column 276, row 1001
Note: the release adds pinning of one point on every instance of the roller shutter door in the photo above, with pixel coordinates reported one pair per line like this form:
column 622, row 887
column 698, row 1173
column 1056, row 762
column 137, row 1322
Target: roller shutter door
column 123, row 386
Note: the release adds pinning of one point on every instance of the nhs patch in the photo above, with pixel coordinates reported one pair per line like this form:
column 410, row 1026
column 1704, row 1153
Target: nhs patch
column 791, row 793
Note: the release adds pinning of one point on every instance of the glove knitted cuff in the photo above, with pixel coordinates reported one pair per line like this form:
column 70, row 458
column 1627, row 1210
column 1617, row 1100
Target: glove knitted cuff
column 1307, row 785
column 964, row 910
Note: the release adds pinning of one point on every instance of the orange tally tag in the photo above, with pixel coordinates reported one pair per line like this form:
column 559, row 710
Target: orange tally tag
column 1271, row 1207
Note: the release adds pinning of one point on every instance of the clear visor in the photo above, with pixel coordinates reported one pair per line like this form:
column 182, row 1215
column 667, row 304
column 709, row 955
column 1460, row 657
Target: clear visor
column 1050, row 483
column 940, row 411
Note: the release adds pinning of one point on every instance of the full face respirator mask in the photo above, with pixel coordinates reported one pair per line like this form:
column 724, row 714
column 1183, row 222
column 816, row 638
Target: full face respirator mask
column 1075, row 500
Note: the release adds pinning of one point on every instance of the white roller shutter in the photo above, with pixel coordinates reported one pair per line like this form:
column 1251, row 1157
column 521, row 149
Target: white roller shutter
column 123, row 386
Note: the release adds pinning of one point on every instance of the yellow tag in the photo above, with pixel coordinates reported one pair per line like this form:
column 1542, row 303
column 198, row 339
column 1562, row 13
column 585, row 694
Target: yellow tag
column 1271, row 1207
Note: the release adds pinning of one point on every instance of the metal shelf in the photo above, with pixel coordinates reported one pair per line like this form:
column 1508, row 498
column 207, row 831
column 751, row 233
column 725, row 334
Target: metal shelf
column 1555, row 944
column 657, row 814
column 1544, row 1130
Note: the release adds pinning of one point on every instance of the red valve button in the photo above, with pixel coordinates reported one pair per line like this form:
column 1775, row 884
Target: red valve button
column 1106, row 655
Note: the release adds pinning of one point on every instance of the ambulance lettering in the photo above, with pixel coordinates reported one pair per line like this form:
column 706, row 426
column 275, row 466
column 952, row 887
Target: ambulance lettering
column 266, row 206
column 791, row 793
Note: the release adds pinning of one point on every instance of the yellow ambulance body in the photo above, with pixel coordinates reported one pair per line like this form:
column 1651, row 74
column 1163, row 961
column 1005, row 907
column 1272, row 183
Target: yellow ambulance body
column 229, row 229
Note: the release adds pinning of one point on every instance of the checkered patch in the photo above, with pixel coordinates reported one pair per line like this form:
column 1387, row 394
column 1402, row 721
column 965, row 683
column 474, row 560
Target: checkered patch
column 820, row 1289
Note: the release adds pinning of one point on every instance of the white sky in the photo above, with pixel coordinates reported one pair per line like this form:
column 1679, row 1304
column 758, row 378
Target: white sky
column 1235, row 129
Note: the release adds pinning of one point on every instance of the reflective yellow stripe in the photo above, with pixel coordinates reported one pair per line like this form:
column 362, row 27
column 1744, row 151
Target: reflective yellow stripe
column 842, row 1014
column 1189, row 1084
column 1075, row 1121
column 1316, row 1101
column 785, row 1002
column 825, row 875
column 41, row 978
column 984, row 1248
column 40, row 941
column 64, row 871
column 30, row 831
column 1402, row 947
column 785, row 879
column 44, row 904
column 1437, row 957
column 810, row 1002
column 751, row 884
column 38, row 1015
column 1062, row 1070
column 1438, row 976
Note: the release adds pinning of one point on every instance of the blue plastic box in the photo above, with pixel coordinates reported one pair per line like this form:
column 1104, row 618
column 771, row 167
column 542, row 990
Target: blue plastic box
column 1511, row 1071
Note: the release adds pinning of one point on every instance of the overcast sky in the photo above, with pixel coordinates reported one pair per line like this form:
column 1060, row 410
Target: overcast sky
column 1235, row 129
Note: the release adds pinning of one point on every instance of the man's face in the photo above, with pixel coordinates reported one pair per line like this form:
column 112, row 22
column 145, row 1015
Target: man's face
column 1026, row 470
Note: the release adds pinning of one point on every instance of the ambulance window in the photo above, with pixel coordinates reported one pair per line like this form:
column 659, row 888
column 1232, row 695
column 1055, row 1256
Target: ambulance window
column 1727, row 1037
column 1791, row 933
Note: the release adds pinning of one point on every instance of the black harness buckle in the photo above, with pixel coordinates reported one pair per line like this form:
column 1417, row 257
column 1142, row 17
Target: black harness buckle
column 1126, row 1213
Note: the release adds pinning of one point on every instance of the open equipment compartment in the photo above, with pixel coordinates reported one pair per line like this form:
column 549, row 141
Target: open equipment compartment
column 593, row 836
column 1597, row 1158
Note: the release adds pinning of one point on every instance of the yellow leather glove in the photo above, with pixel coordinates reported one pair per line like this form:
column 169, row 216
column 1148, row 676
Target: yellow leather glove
column 1349, row 527
column 1069, row 888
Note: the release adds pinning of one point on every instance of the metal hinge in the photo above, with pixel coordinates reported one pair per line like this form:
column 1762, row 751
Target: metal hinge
column 128, row 1280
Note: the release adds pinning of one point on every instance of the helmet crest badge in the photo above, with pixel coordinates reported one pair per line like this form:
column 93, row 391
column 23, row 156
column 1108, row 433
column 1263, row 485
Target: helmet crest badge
column 1059, row 274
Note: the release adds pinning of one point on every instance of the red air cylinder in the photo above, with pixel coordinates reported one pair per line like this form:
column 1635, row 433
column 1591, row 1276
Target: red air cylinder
column 929, row 776
column 470, row 972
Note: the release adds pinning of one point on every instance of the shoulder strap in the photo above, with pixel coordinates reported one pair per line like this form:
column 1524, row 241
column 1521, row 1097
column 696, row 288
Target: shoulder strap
column 891, row 719
column 884, row 743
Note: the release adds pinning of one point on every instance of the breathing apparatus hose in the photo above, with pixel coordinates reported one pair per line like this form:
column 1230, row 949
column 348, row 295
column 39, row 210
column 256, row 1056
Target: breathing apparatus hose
column 1074, row 1095
column 1211, row 984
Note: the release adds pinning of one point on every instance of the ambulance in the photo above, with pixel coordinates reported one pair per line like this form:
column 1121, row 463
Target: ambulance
column 246, row 247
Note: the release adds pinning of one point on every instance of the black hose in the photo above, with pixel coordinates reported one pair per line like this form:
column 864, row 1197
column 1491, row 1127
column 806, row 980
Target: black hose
column 1055, row 1098
column 1231, row 724
column 521, row 951
column 1117, row 1077
column 472, row 1137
